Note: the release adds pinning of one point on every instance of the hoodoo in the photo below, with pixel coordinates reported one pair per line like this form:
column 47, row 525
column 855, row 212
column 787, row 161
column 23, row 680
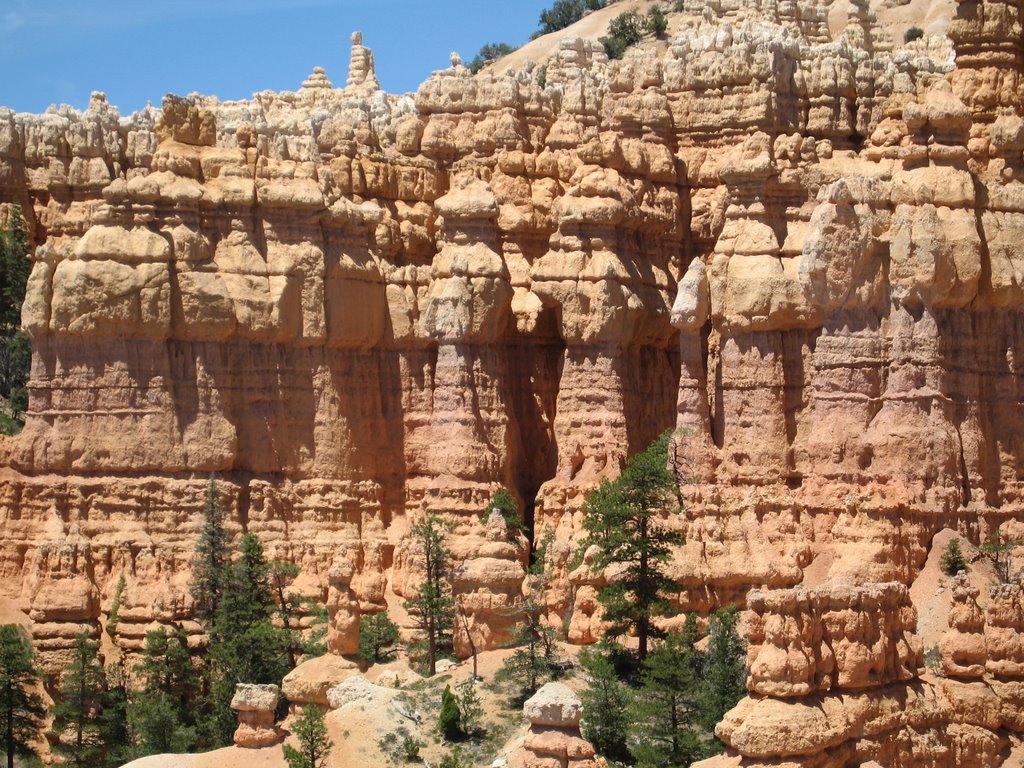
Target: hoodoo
column 783, row 234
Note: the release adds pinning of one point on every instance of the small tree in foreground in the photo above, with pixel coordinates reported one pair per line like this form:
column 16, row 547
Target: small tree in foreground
column 725, row 667
column 163, row 713
column 378, row 638
column 315, row 745
column 535, row 659
column 433, row 605
column 605, row 704
column 666, row 734
column 77, row 722
column 212, row 558
column 953, row 561
column 1000, row 550
column 21, row 709
column 622, row 522
column 471, row 710
column 449, row 718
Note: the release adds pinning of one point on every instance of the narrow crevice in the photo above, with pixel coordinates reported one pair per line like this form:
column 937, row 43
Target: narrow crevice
column 534, row 367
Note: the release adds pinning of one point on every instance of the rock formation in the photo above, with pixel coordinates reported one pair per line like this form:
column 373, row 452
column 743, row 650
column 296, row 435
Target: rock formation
column 352, row 307
column 256, row 706
column 311, row 680
column 554, row 739
column 836, row 679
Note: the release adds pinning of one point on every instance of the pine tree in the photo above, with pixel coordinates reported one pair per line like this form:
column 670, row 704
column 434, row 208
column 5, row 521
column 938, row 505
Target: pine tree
column 245, row 646
column 433, row 606
column 115, row 721
column 535, row 659
column 606, row 703
column 471, row 710
column 167, row 667
column 621, row 520
column 163, row 715
column 77, row 724
column 449, row 718
column 725, row 668
column 211, row 563
column 314, row 744
column 1000, row 550
column 315, row 641
column 666, row 734
column 248, row 642
column 288, row 605
column 21, row 709
column 378, row 637
column 953, row 561
column 158, row 725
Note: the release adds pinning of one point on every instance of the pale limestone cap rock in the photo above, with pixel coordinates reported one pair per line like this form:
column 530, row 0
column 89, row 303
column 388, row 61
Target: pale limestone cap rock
column 555, row 705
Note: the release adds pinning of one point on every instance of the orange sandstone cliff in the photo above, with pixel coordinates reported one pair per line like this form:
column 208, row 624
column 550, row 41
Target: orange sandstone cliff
column 797, row 243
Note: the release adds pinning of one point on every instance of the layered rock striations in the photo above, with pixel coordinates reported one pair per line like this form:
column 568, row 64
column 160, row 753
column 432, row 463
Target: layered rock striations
column 352, row 307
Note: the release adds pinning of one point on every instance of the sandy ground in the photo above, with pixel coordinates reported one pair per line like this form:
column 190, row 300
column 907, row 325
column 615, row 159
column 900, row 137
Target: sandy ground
column 931, row 15
column 930, row 591
column 229, row 757
column 11, row 613
column 591, row 27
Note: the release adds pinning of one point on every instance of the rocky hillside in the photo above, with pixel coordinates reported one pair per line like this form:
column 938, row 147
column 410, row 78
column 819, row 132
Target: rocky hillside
column 782, row 231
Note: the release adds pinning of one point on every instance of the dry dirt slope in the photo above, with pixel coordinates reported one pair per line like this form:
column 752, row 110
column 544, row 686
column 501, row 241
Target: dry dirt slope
column 894, row 19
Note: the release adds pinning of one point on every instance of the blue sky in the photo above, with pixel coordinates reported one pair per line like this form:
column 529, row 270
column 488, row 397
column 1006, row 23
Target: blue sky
column 58, row 51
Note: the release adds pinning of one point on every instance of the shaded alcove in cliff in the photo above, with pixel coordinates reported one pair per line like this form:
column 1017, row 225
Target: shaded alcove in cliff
column 650, row 391
column 534, row 372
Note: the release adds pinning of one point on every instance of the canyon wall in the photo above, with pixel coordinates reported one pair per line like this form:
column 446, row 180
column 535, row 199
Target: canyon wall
column 350, row 307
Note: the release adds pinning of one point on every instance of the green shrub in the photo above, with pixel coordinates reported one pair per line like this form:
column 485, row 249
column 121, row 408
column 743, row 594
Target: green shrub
column 471, row 710
column 999, row 549
column 411, row 747
column 657, row 22
column 566, row 12
column 378, row 636
column 505, row 503
column 488, row 53
column 310, row 732
column 452, row 759
column 625, row 30
column 914, row 33
column 953, row 560
column 449, row 720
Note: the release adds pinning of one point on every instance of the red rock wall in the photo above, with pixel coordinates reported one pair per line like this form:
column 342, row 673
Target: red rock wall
column 352, row 307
